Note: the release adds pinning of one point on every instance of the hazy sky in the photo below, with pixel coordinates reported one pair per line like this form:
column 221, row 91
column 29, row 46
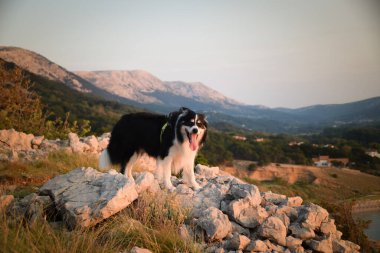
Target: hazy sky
column 273, row 53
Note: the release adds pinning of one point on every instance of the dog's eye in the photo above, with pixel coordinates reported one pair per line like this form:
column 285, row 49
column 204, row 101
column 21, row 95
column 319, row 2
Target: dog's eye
column 192, row 120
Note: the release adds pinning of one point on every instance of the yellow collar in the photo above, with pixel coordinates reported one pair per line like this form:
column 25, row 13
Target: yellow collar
column 162, row 130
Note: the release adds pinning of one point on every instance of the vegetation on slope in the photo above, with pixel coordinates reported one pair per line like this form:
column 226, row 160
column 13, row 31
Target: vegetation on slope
column 344, row 142
column 34, row 104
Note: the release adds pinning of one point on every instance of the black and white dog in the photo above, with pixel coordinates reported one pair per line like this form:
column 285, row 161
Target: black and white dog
column 173, row 140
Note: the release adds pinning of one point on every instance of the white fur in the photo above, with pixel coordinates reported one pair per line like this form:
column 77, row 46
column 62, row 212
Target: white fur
column 104, row 160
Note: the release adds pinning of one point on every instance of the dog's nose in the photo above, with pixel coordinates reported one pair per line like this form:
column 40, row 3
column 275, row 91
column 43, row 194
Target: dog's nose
column 195, row 130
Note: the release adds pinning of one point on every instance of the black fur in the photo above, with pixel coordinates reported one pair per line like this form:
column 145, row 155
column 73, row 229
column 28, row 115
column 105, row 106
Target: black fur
column 141, row 132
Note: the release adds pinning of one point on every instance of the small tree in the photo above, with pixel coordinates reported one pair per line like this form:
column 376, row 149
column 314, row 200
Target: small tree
column 20, row 107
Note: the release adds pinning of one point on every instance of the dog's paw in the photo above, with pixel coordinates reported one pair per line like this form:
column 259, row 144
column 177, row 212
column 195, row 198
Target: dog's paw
column 170, row 187
column 196, row 187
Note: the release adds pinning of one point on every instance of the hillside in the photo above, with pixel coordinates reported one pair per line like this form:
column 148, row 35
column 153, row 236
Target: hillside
column 141, row 89
column 59, row 99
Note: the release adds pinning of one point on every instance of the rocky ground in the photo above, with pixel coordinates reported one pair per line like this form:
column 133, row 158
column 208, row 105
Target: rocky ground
column 228, row 214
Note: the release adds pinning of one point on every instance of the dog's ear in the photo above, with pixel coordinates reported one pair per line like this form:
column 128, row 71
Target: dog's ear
column 183, row 109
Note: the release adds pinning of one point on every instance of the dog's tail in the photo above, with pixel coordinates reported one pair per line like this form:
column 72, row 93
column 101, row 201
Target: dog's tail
column 104, row 160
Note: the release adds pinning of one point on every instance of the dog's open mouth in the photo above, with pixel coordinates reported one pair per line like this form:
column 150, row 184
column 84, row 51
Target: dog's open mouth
column 192, row 140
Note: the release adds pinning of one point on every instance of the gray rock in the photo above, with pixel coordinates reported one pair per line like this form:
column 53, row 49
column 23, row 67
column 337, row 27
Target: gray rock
column 312, row 216
column 301, row 232
column 296, row 249
column 257, row 246
column 237, row 242
column 273, row 229
column 342, row 246
column 239, row 229
column 215, row 223
column 16, row 140
column 294, row 201
column 274, row 247
column 37, row 140
column 291, row 241
column 206, row 171
column 323, row 246
column 244, row 213
column 145, row 181
column 273, row 197
column 210, row 195
column 85, row 196
column 328, row 228
column 92, row 143
column 76, row 145
column 249, row 192
column 32, row 207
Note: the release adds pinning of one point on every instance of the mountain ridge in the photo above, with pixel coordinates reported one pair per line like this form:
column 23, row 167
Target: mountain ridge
column 141, row 89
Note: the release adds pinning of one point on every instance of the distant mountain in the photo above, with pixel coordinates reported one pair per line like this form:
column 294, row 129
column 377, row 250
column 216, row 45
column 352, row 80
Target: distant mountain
column 143, row 90
column 59, row 99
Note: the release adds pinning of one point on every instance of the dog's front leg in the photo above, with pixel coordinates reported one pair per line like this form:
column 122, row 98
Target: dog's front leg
column 166, row 169
column 189, row 176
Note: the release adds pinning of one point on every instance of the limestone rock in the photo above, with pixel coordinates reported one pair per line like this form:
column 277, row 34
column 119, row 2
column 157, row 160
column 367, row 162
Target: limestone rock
column 237, row 242
column 312, row 216
column 294, row 201
column 206, row 171
column 291, row 241
column 273, row 197
column 32, row 207
column 145, row 181
column 273, row 229
column 16, row 140
column 37, row 140
column 85, row 196
column 210, row 195
column 244, row 213
column 76, row 145
column 342, row 246
column 301, row 232
column 92, row 143
column 246, row 191
column 257, row 246
column 329, row 228
column 323, row 246
column 239, row 229
column 215, row 223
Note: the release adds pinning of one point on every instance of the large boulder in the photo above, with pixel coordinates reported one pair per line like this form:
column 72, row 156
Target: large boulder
column 312, row 216
column 244, row 213
column 273, row 229
column 85, row 196
column 215, row 223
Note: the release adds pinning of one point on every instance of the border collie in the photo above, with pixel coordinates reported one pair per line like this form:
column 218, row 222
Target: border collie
column 173, row 140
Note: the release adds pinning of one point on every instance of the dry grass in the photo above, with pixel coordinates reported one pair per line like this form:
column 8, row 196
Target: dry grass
column 21, row 178
column 150, row 222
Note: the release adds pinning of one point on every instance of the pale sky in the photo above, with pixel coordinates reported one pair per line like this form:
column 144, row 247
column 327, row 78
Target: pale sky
column 274, row 53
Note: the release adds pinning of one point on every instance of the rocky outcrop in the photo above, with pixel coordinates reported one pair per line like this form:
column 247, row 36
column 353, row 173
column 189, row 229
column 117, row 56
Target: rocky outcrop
column 228, row 213
column 85, row 196
column 261, row 222
column 17, row 145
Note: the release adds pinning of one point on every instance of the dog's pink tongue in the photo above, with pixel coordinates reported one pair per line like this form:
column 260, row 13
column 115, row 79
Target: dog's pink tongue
column 194, row 142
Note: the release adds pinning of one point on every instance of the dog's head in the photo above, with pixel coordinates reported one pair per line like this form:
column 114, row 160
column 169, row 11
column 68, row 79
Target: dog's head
column 189, row 127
